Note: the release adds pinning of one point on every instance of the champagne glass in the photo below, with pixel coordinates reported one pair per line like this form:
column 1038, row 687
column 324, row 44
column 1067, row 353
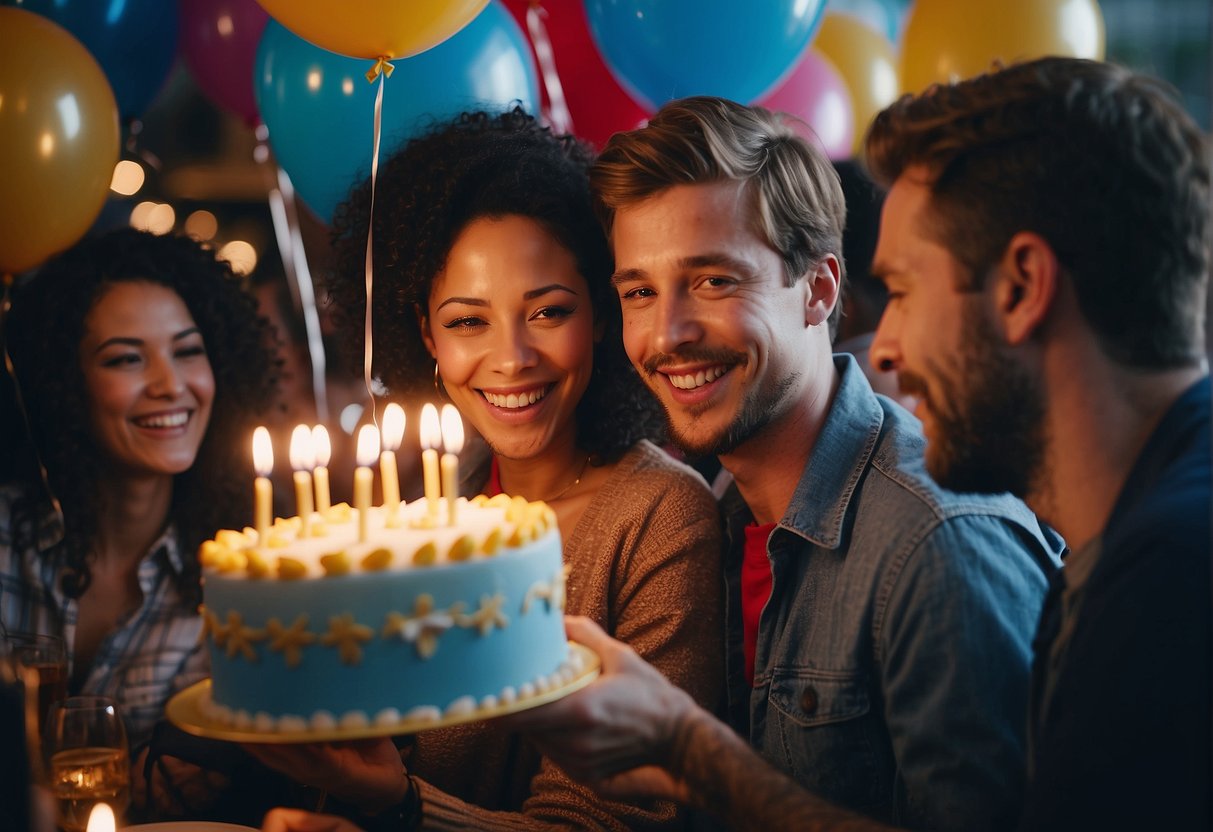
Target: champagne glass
column 38, row 662
column 89, row 759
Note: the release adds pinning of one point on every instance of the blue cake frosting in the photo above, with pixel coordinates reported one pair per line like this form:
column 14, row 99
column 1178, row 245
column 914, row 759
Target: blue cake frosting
column 419, row 620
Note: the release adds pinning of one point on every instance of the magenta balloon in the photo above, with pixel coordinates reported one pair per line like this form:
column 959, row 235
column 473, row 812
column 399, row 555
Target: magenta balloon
column 816, row 93
column 219, row 41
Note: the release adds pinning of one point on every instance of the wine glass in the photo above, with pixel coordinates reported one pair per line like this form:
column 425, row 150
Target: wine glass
column 37, row 660
column 88, row 757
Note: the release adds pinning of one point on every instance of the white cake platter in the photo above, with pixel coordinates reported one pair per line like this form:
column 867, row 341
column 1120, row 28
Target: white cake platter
column 188, row 711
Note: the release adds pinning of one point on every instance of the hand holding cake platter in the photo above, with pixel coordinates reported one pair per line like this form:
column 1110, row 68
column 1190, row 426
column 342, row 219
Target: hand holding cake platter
column 382, row 621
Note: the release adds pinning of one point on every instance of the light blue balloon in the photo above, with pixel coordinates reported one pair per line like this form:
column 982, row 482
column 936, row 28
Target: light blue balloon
column 319, row 107
column 660, row 50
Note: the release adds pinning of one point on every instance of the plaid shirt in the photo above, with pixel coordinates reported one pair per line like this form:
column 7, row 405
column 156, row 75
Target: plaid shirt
column 153, row 653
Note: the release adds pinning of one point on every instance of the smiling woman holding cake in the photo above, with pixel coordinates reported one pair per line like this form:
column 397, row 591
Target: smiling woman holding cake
column 143, row 365
column 492, row 288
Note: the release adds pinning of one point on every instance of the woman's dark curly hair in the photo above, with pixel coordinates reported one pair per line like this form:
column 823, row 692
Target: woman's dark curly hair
column 482, row 165
column 44, row 331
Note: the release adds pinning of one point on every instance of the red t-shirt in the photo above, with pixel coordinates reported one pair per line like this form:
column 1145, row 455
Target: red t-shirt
column 493, row 487
column 755, row 588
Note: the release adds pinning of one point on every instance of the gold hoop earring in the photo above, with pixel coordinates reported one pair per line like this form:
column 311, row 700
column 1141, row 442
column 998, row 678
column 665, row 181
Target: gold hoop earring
column 439, row 387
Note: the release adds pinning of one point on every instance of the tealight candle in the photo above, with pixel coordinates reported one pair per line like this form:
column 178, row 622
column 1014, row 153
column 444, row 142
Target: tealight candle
column 393, row 432
column 263, row 491
column 303, row 458
column 431, row 438
column 452, row 444
column 101, row 819
column 368, row 448
column 320, row 475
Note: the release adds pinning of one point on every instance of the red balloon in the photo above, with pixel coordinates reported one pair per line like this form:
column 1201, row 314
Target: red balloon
column 598, row 105
column 219, row 42
column 816, row 93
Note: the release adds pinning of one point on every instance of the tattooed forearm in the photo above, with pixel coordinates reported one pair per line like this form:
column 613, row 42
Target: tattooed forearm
column 723, row 775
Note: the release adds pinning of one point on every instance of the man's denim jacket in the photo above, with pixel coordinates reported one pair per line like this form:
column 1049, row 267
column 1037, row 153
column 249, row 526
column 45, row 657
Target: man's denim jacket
column 892, row 664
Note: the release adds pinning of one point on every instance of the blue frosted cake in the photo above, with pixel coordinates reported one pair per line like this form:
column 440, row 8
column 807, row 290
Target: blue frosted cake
column 422, row 621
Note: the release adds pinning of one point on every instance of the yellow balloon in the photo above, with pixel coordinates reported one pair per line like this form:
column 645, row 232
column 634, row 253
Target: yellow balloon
column 867, row 63
column 58, row 139
column 374, row 28
column 946, row 40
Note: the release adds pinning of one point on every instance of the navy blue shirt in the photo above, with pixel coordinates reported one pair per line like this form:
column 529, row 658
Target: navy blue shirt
column 1125, row 739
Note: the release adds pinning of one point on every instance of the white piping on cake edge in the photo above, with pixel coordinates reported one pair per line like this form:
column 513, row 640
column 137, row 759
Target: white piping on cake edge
column 322, row 720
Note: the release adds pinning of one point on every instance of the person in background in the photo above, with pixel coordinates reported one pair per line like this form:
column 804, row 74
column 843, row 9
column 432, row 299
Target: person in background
column 1046, row 246
column 863, row 297
column 143, row 369
column 492, row 289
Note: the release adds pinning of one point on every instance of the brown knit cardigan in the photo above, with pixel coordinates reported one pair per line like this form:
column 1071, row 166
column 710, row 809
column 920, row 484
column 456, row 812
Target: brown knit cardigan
column 645, row 565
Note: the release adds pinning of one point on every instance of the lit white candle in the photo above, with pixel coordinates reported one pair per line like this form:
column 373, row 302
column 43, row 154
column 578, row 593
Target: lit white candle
column 393, row 432
column 431, row 438
column 101, row 819
column 320, row 475
column 364, row 477
column 303, row 459
column 263, row 492
column 452, row 444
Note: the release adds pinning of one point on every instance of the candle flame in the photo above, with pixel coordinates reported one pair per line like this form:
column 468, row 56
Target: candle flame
column 452, row 429
column 101, row 819
column 368, row 446
column 263, row 452
column 303, row 452
column 393, row 426
column 431, row 429
column 324, row 448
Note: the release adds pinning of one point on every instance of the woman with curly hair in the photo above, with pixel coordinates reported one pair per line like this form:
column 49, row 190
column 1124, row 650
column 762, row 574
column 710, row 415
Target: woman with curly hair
column 492, row 283
column 143, row 366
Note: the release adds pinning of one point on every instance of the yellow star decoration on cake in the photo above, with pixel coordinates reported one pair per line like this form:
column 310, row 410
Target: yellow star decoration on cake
column 240, row 638
column 290, row 640
column 217, row 630
column 347, row 635
column 555, row 593
column 209, row 622
column 424, row 626
column 487, row 617
column 560, row 587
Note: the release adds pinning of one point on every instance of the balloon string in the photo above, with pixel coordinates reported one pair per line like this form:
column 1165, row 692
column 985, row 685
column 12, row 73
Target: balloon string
column 558, row 110
column 381, row 70
column 6, row 305
column 135, row 148
column 284, row 212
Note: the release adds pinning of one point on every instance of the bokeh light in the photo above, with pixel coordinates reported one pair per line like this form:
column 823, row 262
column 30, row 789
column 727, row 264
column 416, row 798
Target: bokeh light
column 128, row 178
column 201, row 225
column 241, row 256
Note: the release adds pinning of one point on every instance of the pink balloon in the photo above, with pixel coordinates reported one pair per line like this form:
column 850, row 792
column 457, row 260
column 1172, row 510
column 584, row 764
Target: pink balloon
column 219, row 41
column 816, row 94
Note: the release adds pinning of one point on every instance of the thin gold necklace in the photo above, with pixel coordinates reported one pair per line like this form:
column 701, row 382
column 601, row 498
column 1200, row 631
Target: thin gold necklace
column 572, row 485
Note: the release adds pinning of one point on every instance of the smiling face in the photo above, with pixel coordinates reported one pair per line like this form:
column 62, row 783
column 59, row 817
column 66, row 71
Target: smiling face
column 512, row 328
column 982, row 413
column 149, row 383
column 708, row 320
